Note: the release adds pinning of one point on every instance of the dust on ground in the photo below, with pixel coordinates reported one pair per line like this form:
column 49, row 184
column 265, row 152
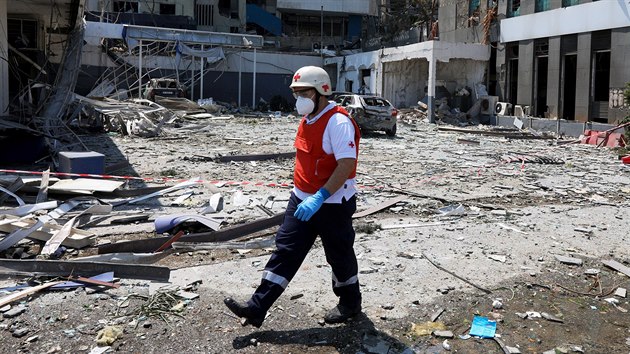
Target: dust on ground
column 517, row 219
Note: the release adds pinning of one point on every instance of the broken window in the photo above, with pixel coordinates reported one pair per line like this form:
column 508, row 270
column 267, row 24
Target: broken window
column 22, row 33
column 514, row 8
column 541, row 68
column 126, row 6
column 474, row 13
column 228, row 8
column 167, row 9
column 601, row 69
column 542, row 5
column 203, row 14
column 349, row 85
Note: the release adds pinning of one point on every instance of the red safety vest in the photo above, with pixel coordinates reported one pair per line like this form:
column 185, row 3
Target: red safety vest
column 313, row 166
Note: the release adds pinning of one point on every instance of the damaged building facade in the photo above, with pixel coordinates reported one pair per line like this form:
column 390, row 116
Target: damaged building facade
column 559, row 59
column 574, row 70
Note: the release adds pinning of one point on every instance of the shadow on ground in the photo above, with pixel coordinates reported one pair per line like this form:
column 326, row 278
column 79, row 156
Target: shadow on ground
column 357, row 335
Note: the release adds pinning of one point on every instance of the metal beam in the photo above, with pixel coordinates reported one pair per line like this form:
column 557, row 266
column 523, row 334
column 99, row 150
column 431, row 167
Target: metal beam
column 227, row 234
column 159, row 34
column 86, row 269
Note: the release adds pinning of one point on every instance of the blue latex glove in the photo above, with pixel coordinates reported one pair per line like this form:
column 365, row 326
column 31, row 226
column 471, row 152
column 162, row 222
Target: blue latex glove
column 311, row 205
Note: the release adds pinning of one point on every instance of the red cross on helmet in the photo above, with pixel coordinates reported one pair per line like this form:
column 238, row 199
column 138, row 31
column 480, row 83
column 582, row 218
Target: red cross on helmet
column 312, row 76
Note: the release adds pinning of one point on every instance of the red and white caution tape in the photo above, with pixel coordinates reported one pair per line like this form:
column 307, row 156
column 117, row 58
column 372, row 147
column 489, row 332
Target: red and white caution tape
column 148, row 179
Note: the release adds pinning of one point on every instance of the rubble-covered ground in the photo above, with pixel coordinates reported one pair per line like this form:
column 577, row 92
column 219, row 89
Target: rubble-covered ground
column 425, row 263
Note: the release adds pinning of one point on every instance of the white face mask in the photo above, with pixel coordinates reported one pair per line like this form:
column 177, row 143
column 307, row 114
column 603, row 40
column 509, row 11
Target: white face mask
column 304, row 105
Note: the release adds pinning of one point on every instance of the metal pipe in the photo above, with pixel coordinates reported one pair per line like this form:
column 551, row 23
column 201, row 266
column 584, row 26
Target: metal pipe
column 321, row 35
column 192, row 80
column 202, row 72
column 140, row 70
column 254, row 85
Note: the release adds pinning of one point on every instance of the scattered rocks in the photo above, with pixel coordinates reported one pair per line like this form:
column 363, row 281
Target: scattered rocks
column 443, row 334
column 444, row 289
column 20, row 332
column 15, row 311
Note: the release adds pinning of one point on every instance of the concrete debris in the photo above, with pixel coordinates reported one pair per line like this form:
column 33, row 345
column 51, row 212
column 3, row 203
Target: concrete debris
column 15, row 311
column 533, row 314
column 569, row 260
column 498, row 258
column 20, row 332
column 551, row 317
column 592, row 271
column 617, row 266
column 443, row 334
column 621, row 292
column 215, row 204
column 446, row 345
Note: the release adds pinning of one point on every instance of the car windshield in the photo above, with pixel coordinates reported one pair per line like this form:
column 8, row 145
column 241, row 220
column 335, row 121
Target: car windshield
column 375, row 102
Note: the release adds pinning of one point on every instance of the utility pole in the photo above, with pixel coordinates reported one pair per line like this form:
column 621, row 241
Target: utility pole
column 321, row 35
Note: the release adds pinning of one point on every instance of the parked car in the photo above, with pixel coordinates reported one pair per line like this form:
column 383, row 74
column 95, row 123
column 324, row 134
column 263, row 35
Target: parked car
column 336, row 94
column 372, row 113
column 163, row 87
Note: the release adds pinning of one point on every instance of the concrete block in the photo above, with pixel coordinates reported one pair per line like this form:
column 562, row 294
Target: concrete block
column 81, row 162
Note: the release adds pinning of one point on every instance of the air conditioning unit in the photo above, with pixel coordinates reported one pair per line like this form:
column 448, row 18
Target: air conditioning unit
column 316, row 46
column 488, row 104
column 503, row 109
column 521, row 111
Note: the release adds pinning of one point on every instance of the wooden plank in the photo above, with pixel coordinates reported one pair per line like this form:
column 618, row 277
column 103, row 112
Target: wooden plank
column 85, row 269
column 617, row 266
column 77, row 239
column 166, row 244
column 380, row 207
column 26, row 292
column 86, row 184
column 227, row 234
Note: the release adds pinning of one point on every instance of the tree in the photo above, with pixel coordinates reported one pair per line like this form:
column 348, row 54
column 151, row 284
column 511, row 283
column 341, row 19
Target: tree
column 401, row 15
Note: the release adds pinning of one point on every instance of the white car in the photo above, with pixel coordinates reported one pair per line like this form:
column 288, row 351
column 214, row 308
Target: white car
column 372, row 113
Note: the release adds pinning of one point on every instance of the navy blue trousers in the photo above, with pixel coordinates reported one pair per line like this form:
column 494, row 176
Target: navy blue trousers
column 333, row 224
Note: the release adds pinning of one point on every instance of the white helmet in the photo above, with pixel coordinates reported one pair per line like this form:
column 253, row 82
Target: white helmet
column 312, row 76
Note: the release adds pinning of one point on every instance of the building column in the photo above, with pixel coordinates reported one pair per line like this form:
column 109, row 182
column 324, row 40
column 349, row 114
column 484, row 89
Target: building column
column 4, row 62
column 525, row 88
column 431, row 88
column 583, row 80
column 501, row 67
column 555, row 4
column 553, row 76
column 619, row 68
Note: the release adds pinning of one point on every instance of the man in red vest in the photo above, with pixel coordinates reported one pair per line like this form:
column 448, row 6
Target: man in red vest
column 321, row 204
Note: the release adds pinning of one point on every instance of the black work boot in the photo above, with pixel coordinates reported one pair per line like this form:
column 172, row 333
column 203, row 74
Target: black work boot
column 341, row 313
column 241, row 309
